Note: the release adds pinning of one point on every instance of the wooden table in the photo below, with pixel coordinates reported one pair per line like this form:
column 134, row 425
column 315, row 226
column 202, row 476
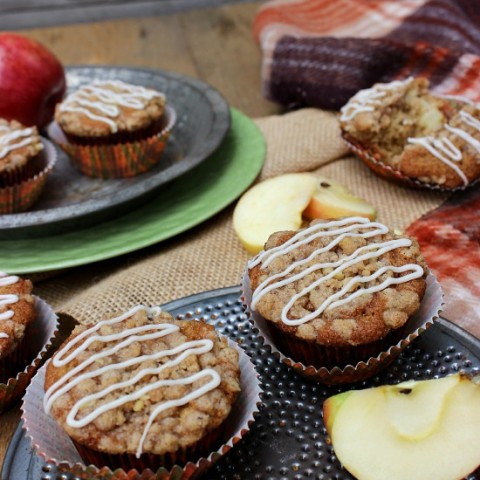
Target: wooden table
column 214, row 44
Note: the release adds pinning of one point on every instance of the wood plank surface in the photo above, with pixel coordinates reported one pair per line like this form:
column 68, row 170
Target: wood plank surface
column 212, row 44
column 19, row 14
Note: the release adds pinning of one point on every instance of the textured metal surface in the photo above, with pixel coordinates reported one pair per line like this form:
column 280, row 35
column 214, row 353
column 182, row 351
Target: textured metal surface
column 73, row 200
column 288, row 439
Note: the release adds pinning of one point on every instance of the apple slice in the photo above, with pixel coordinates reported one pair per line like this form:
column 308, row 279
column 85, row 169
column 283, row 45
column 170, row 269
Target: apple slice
column 279, row 203
column 426, row 401
column 270, row 206
column 333, row 200
column 373, row 441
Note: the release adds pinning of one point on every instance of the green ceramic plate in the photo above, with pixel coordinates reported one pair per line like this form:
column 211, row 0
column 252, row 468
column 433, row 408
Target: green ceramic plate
column 180, row 205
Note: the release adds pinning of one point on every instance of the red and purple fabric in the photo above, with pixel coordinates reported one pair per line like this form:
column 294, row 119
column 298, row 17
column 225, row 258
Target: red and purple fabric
column 321, row 52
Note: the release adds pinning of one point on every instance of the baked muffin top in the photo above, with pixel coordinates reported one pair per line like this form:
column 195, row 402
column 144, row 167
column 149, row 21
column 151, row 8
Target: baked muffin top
column 17, row 310
column 18, row 144
column 107, row 107
column 340, row 282
column 142, row 382
column 433, row 139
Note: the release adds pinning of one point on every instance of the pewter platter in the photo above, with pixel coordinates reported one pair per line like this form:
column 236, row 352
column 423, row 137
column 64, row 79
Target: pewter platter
column 288, row 438
column 71, row 200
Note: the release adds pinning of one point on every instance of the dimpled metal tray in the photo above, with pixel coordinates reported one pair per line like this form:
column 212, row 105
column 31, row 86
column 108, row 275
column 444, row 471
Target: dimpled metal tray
column 288, row 439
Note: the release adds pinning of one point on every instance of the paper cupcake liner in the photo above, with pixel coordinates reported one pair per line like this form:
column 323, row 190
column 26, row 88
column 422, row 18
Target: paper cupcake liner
column 119, row 160
column 23, row 188
column 148, row 461
column 51, row 442
column 17, row 360
column 40, row 335
column 428, row 312
column 311, row 353
column 391, row 174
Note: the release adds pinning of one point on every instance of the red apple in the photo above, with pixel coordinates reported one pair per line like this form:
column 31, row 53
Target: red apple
column 32, row 80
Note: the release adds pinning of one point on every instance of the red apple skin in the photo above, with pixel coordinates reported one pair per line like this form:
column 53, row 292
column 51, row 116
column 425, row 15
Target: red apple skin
column 32, row 80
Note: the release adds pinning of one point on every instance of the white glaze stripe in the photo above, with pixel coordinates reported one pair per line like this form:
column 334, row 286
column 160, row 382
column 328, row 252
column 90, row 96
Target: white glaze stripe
column 106, row 353
column 7, row 299
column 6, row 140
column 441, row 149
column 305, row 236
column 366, row 252
column 128, row 336
column 89, row 114
column 365, row 100
column 58, row 362
column 189, row 348
column 416, row 270
column 445, row 150
column 213, row 383
column 100, row 98
column 338, row 266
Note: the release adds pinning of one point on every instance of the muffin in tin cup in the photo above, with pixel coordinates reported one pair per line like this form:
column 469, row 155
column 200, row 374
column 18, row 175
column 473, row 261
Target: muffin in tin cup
column 112, row 129
column 27, row 327
column 26, row 159
column 141, row 394
column 339, row 299
column 412, row 137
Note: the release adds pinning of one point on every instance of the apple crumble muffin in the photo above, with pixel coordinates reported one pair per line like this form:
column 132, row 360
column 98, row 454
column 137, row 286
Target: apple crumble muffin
column 17, row 311
column 337, row 291
column 110, row 110
column 18, row 145
column 112, row 129
column 432, row 139
column 142, row 389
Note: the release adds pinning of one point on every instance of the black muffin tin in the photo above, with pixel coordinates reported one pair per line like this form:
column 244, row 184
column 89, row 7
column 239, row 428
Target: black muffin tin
column 288, row 439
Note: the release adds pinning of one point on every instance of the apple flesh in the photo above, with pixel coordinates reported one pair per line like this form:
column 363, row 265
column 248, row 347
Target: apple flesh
column 333, row 200
column 32, row 81
column 414, row 430
column 282, row 203
column 272, row 205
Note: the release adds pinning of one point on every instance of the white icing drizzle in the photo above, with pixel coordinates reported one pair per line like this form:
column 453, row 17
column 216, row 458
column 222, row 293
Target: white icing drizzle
column 7, row 299
column 365, row 100
column 127, row 337
column 9, row 143
column 99, row 98
column 458, row 98
column 445, row 150
column 354, row 227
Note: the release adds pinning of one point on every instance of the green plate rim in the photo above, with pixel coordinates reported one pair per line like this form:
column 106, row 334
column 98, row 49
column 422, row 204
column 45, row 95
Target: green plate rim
column 235, row 165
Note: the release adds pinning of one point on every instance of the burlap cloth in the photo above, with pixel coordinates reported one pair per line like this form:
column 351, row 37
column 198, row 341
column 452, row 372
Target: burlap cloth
column 210, row 256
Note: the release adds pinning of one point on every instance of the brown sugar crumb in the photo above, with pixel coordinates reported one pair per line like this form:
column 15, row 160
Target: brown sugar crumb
column 162, row 377
column 300, row 275
column 17, row 311
column 429, row 138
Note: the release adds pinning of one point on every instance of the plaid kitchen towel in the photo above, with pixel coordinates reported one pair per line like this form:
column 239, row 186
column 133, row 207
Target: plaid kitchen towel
column 449, row 238
column 321, row 52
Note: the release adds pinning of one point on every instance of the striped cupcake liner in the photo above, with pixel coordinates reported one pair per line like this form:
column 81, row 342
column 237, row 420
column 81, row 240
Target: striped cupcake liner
column 330, row 365
column 391, row 174
column 39, row 336
column 20, row 193
column 51, row 442
column 116, row 160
